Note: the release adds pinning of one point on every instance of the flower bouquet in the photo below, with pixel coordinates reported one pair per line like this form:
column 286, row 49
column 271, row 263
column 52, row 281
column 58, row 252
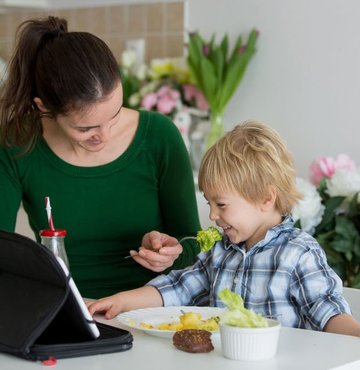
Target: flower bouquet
column 218, row 75
column 330, row 211
column 164, row 86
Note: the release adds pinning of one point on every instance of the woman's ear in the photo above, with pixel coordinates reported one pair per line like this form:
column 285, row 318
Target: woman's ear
column 269, row 200
column 40, row 105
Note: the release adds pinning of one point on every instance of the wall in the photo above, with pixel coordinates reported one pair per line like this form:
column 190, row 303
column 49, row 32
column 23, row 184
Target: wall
column 304, row 80
column 161, row 24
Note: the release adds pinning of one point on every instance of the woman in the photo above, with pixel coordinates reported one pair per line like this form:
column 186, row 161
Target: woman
column 113, row 174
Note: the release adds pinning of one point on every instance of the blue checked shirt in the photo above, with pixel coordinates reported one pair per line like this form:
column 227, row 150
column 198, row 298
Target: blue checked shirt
column 285, row 275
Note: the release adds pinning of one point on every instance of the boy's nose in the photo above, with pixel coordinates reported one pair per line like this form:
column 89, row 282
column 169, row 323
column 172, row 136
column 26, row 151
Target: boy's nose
column 213, row 215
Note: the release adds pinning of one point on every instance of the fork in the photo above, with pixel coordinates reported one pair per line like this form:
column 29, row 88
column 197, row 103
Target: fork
column 181, row 240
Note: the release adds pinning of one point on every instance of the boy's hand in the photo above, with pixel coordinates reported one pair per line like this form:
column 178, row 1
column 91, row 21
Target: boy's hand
column 146, row 296
column 111, row 306
column 158, row 251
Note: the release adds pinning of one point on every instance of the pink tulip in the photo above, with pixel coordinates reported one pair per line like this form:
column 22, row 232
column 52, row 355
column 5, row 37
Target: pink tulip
column 206, row 49
column 242, row 49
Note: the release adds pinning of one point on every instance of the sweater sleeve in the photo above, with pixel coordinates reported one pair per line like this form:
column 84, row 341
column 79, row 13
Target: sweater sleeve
column 10, row 191
column 176, row 188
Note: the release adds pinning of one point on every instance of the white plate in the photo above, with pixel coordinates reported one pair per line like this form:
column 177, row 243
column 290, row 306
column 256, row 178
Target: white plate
column 159, row 315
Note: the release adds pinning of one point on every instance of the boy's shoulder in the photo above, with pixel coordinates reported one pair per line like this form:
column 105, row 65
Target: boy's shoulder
column 301, row 239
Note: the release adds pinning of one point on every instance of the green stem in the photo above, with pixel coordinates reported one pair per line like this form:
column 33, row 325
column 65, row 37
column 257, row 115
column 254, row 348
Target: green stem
column 217, row 129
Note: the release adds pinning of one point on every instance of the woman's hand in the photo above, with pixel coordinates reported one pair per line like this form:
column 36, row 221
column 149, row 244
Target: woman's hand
column 158, row 251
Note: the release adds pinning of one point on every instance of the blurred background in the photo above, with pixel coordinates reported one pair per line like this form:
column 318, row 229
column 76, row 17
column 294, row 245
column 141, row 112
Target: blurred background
column 303, row 79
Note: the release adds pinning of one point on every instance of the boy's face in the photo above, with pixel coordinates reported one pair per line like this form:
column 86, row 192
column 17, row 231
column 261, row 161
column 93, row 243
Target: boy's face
column 240, row 219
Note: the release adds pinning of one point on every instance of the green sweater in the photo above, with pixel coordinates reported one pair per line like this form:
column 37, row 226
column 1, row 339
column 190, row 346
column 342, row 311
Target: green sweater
column 107, row 209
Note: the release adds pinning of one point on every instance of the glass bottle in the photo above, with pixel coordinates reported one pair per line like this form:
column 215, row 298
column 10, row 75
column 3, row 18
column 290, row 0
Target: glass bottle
column 55, row 241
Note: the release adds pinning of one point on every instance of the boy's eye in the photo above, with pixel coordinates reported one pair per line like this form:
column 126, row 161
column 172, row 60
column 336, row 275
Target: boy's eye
column 220, row 205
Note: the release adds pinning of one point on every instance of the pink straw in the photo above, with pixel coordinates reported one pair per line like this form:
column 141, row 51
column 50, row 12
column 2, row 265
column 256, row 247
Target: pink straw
column 49, row 215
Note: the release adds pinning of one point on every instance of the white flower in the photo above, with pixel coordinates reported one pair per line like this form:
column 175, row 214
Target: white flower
column 141, row 72
column 128, row 58
column 344, row 183
column 134, row 100
column 308, row 210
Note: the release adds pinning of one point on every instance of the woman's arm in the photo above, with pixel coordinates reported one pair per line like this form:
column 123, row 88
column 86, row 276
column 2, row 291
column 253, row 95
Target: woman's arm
column 10, row 191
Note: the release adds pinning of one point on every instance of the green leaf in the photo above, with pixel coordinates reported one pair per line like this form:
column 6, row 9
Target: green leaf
column 209, row 81
column 328, row 219
column 356, row 282
column 235, row 50
column 232, row 80
column 342, row 245
column 354, row 208
column 224, row 46
column 345, row 228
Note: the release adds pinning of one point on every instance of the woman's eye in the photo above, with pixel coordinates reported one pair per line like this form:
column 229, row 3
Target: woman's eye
column 83, row 129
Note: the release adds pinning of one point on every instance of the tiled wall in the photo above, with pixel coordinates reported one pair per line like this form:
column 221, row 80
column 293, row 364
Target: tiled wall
column 160, row 24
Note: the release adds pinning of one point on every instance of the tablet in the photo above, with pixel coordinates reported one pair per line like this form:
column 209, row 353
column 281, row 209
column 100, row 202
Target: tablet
column 78, row 305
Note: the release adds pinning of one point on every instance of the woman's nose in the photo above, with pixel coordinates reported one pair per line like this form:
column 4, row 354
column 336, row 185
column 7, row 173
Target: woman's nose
column 104, row 133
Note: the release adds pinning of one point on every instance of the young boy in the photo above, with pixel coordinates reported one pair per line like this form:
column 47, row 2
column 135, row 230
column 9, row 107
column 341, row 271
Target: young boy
column 249, row 181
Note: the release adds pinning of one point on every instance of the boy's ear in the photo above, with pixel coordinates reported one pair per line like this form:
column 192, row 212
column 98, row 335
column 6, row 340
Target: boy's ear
column 40, row 104
column 269, row 200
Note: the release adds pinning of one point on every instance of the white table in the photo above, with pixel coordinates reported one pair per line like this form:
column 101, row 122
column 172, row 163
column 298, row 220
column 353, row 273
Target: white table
column 298, row 349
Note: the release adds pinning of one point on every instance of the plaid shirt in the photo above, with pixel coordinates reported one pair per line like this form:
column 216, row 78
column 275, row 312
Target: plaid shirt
column 285, row 275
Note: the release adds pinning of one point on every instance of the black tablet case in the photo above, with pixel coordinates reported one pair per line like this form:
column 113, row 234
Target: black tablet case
column 39, row 315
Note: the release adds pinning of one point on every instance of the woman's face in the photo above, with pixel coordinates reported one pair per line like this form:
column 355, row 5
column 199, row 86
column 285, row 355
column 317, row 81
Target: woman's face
column 93, row 128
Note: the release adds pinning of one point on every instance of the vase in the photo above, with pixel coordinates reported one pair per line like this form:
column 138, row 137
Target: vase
column 198, row 133
column 205, row 130
column 216, row 129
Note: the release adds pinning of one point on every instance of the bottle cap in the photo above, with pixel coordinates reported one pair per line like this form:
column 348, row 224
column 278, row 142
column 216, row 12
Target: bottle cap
column 50, row 233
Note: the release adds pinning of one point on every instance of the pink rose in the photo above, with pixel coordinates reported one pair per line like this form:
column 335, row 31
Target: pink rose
column 167, row 90
column 191, row 92
column 166, row 104
column 327, row 166
column 320, row 168
column 201, row 102
column 149, row 101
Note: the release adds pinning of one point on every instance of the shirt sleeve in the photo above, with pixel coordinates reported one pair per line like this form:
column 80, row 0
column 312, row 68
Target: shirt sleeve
column 176, row 188
column 187, row 287
column 317, row 289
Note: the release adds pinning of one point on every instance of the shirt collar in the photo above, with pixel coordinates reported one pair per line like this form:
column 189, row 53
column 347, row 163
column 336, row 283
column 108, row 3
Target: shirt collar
column 286, row 224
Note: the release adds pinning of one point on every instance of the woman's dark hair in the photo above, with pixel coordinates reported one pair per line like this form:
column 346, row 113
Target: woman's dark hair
column 66, row 70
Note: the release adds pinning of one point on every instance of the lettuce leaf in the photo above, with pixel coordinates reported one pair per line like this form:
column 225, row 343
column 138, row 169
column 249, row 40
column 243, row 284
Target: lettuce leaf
column 237, row 315
column 207, row 238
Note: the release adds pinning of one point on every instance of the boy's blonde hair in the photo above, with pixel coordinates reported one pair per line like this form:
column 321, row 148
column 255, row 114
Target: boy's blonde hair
column 250, row 160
